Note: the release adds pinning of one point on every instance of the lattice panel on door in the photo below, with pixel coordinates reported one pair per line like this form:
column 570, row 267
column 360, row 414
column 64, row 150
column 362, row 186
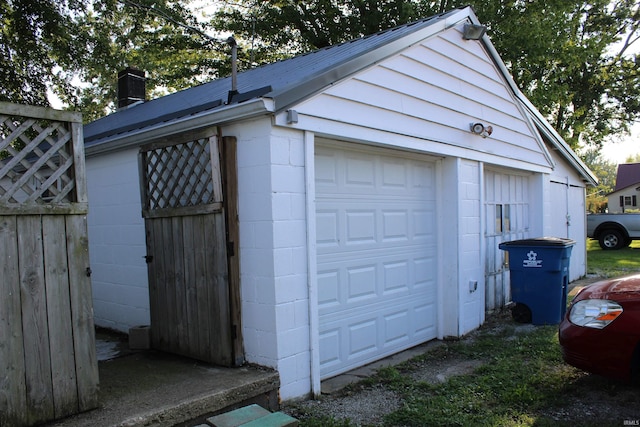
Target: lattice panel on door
column 180, row 175
column 36, row 162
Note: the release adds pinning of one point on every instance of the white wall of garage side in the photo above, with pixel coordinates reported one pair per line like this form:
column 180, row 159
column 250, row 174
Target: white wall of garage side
column 461, row 245
column 117, row 241
column 565, row 209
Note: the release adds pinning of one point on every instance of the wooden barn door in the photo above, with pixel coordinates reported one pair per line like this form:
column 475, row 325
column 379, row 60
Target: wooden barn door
column 190, row 248
column 48, row 364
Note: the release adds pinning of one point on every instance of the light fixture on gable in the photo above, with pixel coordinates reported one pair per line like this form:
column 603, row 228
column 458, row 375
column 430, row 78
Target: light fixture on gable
column 480, row 129
column 473, row 31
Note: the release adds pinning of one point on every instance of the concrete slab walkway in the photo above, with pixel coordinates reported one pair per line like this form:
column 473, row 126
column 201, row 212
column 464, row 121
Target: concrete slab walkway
column 158, row 389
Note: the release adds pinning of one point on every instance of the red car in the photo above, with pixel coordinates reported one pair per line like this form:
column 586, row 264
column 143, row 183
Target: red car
column 601, row 329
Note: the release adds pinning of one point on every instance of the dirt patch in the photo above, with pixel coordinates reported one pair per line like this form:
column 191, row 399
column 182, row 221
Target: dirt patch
column 440, row 371
column 364, row 406
column 598, row 398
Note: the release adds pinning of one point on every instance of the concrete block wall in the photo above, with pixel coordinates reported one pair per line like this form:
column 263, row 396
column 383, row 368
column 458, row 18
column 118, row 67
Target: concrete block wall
column 117, row 241
column 273, row 257
column 471, row 273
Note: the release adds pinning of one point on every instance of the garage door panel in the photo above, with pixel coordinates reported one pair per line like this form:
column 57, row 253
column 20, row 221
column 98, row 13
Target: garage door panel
column 327, row 229
column 341, row 224
column 396, row 277
column 361, row 284
column 424, row 268
column 330, row 348
column 362, row 338
column 376, row 255
column 424, row 320
column 395, row 330
column 348, row 342
column 361, row 226
column 349, row 285
column 328, row 289
column 423, row 221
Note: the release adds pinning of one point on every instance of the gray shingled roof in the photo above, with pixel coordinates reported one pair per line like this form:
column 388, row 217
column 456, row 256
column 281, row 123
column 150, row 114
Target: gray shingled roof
column 285, row 81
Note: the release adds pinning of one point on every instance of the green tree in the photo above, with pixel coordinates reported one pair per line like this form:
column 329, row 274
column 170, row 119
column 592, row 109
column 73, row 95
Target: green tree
column 162, row 38
column 606, row 172
column 51, row 45
column 38, row 40
column 633, row 159
column 571, row 59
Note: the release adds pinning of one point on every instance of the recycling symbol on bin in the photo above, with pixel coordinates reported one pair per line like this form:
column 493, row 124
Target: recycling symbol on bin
column 532, row 260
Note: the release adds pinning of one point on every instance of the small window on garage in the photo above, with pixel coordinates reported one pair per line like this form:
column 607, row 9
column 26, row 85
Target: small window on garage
column 503, row 218
column 506, row 214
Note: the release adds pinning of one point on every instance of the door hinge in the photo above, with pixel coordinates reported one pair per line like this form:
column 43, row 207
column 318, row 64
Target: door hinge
column 231, row 251
column 148, row 258
column 234, row 332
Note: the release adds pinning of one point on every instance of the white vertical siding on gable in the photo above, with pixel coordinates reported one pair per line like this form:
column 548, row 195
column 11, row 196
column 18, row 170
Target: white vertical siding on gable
column 433, row 91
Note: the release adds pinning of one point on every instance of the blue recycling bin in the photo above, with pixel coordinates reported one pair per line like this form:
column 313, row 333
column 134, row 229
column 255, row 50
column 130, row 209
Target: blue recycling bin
column 539, row 272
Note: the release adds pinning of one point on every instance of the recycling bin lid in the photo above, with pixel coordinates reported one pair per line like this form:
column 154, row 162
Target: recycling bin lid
column 539, row 241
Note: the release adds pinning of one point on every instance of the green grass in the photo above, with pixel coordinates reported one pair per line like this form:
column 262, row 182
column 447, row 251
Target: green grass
column 515, row 385
column 522, row 381
column 612, row 263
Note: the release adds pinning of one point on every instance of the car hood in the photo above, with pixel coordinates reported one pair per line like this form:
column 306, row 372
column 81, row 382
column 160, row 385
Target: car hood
column 619, row 289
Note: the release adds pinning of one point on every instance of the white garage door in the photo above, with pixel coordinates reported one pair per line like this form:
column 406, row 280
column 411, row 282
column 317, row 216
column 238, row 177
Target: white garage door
column 376, row 249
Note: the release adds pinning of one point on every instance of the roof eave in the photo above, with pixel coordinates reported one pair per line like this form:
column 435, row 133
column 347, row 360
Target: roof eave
column 217, row 117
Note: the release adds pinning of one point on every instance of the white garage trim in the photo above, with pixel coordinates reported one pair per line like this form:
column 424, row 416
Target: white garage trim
column 376, row 251
column 309, row 155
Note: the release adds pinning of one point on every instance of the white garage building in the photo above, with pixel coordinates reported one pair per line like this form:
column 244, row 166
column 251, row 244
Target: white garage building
column 369, row 212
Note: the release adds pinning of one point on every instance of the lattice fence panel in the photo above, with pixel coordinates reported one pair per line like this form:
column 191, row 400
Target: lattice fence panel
column 178, row 176
column 36, row 161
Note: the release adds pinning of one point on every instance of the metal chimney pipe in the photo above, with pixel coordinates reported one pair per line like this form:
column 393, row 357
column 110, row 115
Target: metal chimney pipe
column 234, row 63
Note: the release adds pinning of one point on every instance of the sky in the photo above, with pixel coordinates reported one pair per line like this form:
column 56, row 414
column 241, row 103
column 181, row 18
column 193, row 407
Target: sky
column 617, row 152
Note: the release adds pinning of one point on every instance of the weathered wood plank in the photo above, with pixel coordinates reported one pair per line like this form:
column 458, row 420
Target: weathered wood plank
column 11, row 109
column 230, row 169
column 190, row 280
column 13, row 392
column 34, row 320
column 216, row 172
column 181, row 138
column 220, row 332
column 80, row 174
column 155, row 281
column 44, row 209
column 179, row 286
column 167, row 302
column 86, row 360
column 183, row 211
column 202, row 288
column 160, row 312
column 56, row 278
